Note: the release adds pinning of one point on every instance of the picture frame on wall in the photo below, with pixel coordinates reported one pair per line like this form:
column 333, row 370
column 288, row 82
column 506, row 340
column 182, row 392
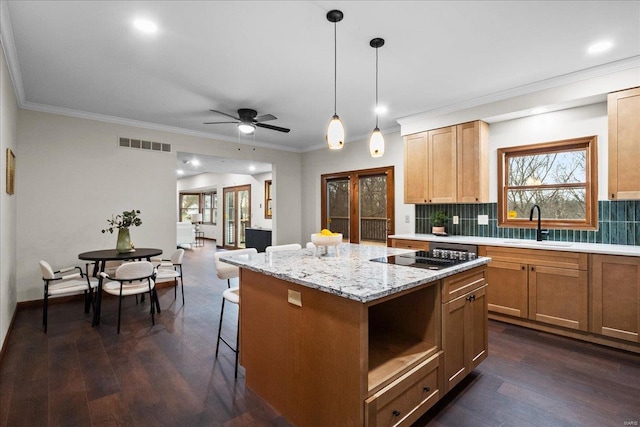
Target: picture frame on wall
column 11, row 171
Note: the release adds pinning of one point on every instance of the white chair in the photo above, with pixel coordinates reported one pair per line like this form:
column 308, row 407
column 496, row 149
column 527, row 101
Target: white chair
column 227, row 272
column 310, row 245
column 281, row 248
column 58, row 283
column 171, row 269
column 133, row 278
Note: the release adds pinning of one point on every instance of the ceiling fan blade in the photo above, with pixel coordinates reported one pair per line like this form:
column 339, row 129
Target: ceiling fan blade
column 217, row 123
column 279, row 129
column 265, row 118
column 224, row 114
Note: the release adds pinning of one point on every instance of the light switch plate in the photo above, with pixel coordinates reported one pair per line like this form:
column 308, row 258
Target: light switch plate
column 483, row 219
column 294, row 297
column 456, row 220
column 407, row 219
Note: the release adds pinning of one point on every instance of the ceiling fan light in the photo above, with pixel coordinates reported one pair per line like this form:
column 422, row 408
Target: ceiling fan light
column 376, row 143
column 335, row 133
column 246, row 128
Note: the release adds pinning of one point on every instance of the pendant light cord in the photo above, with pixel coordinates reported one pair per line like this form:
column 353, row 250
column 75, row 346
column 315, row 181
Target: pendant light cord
column 335, row 69
column 376, row 87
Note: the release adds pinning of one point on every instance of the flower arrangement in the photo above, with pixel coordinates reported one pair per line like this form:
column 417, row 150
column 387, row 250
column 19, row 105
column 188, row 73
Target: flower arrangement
column 126, row 220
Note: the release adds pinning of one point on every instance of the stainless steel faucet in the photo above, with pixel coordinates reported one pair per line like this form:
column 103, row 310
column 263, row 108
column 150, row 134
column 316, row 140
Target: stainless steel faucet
column 539, row 232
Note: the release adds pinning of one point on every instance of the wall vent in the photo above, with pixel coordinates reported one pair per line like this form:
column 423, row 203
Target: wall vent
column 141, row 144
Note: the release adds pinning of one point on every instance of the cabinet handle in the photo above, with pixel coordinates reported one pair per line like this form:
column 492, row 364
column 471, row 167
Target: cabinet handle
column 533, row 269
column 395, row 413
column 613, row 196
column 523, row 268
column 471, row 297
column 427, row 388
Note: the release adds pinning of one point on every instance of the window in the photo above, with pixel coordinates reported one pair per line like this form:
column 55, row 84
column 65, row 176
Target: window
column 559, row 176
column 193, row 203
column 267, row 199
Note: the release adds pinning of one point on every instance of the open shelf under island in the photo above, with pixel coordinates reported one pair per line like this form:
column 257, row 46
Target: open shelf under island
column 341, row 340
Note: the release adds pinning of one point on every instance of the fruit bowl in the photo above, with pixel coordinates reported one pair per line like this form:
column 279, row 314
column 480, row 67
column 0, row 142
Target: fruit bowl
column 323, row 240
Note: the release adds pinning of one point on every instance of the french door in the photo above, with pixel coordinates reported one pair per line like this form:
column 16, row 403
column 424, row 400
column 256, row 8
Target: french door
column 359, row 204
column 236, row 215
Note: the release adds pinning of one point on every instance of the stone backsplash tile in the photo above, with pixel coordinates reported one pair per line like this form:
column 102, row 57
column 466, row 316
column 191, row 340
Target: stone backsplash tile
column 618, row 223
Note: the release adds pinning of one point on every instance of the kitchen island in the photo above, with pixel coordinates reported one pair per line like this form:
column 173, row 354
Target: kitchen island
column 341, row 340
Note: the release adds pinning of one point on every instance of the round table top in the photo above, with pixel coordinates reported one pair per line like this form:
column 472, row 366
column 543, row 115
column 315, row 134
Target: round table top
column 114, row 255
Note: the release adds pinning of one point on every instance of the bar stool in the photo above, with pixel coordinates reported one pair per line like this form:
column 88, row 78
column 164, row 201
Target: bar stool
column 227, row 272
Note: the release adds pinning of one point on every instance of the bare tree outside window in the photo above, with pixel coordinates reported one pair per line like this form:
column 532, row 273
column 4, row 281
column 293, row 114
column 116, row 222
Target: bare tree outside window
column 559, row 177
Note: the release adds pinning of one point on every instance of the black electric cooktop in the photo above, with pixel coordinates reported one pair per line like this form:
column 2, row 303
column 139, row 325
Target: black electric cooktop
column 421, row 259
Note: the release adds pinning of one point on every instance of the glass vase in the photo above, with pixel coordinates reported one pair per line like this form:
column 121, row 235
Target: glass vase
column 124, row 241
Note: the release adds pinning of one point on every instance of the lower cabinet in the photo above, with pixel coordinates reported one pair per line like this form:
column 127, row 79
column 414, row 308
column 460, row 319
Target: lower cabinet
column 464, row 325
column 546, row 286
column 406, row 399
column 615, row 287
column 410, row 244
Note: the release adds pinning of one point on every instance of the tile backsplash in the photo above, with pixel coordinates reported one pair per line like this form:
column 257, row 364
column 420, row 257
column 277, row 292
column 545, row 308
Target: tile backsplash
column 618, row 223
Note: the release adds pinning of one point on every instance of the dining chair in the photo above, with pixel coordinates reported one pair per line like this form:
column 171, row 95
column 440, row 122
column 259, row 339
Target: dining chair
column 133, row 278
column 310, row 245
column 59, row 283
column 171, row 269
column 227, row 272
column 280, row 248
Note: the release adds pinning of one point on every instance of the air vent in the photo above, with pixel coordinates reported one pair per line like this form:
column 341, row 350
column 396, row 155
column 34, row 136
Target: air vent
column 144, row 145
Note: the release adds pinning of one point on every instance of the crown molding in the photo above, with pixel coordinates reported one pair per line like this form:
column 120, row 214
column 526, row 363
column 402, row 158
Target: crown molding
column 9, row 48
column 565, row 79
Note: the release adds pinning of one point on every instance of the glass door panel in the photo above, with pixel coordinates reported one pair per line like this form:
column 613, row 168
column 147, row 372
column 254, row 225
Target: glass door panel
column 372, row 192
column 244, row 209
column 229, row 218
column 338, row 207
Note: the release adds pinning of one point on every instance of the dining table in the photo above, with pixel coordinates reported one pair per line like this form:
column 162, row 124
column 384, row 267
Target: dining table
column 100, row 258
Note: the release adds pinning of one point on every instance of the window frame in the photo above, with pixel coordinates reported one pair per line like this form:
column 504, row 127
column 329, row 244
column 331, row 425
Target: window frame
column 201, row 208
column 588, row 143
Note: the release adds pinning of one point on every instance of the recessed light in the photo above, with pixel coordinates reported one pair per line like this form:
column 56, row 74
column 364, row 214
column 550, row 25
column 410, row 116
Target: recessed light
column 145, row 26
column 195, row 162
column 539, row 110
column 381, row 109
column 252, row 168
column 599, row 47
column 180, row 172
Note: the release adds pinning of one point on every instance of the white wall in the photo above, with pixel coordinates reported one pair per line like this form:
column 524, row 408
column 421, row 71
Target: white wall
column 8, row 205
column 354, row 155
column 72, row 177
column 208, row 181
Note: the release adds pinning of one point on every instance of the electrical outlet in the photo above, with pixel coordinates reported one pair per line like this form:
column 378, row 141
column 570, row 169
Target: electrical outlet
column 294, row 297
column 407, row 219
column 483, row 219
column 456, row 220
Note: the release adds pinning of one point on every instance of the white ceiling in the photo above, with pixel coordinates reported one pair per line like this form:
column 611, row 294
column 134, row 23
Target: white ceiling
column 277, row 57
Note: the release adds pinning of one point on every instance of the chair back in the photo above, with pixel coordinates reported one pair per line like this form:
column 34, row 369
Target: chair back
column 280, row 248
column 225, row 270
column 176, row 257
column 47, row 271
column 134, row 270
column 310, row 245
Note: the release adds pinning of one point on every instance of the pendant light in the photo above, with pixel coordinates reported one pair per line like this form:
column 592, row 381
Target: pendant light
column 376, row 142
column 335, row 131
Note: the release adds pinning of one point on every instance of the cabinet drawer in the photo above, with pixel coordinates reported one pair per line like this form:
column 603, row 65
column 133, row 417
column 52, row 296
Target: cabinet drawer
column 410, row 244
column 558, row 259
column 459, row 284
column 406, row 399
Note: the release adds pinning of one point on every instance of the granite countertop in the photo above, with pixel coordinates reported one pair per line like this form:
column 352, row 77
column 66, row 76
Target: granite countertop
column 351, row 274
column 591, row 248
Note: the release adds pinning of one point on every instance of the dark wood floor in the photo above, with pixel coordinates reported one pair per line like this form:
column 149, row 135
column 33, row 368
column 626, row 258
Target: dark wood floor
column 167, row 375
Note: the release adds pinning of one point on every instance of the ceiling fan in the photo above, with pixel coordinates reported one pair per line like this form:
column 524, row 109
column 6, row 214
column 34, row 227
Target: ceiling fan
column 248, row 120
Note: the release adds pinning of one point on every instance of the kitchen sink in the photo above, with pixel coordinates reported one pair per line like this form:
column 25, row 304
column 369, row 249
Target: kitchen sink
column 536, row 243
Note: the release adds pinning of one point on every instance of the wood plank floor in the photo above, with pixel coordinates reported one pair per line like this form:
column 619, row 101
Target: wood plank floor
column 167, row 375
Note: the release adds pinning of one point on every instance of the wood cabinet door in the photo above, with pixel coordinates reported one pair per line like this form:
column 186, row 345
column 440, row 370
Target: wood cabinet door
column 478, row 328
column 615, row 287
column 473, row 162
column 508, row 288
column 415, row 168
column 624, row 144
column 443, row 184
column 454, row 320
column 558, row 296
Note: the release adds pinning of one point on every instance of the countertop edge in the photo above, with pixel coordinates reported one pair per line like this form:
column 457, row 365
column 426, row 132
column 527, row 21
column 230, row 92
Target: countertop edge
column 591, row 248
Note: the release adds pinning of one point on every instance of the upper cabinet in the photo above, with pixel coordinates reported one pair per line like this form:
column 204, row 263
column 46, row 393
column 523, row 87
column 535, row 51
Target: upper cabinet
column 447, row 165
column 624, row 144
